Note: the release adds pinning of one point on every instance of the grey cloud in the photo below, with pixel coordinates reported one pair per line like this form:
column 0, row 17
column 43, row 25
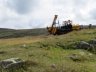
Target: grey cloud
column 79, row 3
column 93, row 14
column 21, row 6
column 38, row 16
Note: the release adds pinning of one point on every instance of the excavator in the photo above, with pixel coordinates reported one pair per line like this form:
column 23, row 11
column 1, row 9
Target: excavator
column 66, row 27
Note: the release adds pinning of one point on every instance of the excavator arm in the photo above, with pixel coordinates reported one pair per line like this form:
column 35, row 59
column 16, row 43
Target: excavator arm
column 52, row 29
column 54, row 21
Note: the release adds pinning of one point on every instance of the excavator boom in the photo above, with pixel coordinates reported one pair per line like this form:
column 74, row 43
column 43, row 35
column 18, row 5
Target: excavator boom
column 54, row 21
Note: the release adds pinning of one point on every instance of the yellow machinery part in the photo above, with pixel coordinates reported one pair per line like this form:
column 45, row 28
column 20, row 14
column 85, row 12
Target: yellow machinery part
column 54, row 29
column 75, row 27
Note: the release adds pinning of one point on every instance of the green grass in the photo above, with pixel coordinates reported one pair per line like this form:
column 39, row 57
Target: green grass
column 11, row 33
column 50, row 53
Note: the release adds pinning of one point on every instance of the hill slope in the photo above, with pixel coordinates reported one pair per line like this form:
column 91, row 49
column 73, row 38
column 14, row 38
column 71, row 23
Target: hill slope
column 11, row 33
column 50, row 53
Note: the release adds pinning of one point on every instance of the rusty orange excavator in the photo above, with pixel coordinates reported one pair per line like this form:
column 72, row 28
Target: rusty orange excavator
column 66, row 27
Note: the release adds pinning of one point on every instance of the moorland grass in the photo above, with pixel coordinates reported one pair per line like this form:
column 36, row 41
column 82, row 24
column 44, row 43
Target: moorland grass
column 50, row 53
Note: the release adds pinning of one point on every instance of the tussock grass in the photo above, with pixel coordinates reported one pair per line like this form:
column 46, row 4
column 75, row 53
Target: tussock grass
column 50, row 53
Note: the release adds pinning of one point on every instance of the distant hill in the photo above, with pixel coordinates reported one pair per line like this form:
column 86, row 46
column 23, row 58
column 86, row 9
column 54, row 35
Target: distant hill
column 11, row 33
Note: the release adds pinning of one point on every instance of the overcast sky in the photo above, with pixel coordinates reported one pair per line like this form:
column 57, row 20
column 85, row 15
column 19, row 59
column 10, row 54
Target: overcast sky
column 24, row 14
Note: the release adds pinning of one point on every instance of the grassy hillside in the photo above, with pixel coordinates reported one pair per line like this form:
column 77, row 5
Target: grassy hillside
column 50, row 53
column 11, row 33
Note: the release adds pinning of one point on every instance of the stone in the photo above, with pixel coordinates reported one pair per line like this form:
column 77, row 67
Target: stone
column 11, row 63
column 82, row 53
column 24, row 45
column 84, row 45
column 53, row 65
column 93, row 42
column 2, row 52
column 74, row 57
column 90, row 54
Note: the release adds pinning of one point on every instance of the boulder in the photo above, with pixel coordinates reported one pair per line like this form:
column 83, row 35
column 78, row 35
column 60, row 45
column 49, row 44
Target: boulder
column 74, row 57
column 81, row 56
column 84, row 45
column 2, row 52
column 11, row 63
column 53, row 65
column 93, row 42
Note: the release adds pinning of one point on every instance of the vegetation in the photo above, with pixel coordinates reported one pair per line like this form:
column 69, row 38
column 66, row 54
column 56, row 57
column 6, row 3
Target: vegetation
column 48, row 53
column 11, row 33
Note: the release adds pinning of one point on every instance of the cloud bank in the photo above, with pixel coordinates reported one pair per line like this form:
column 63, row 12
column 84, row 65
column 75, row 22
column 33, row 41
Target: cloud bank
column 20, row 14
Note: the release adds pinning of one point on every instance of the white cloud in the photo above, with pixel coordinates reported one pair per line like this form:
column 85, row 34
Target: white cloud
column 39, row 13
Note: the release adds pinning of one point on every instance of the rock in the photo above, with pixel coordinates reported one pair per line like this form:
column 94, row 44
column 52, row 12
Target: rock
column 53, row 65
column 74, row 57
column 82, row 53
column 24, row 45
column 2, row 52
column 90, row 54
column 93, row 42
column 11, row 63
column 85, row 45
